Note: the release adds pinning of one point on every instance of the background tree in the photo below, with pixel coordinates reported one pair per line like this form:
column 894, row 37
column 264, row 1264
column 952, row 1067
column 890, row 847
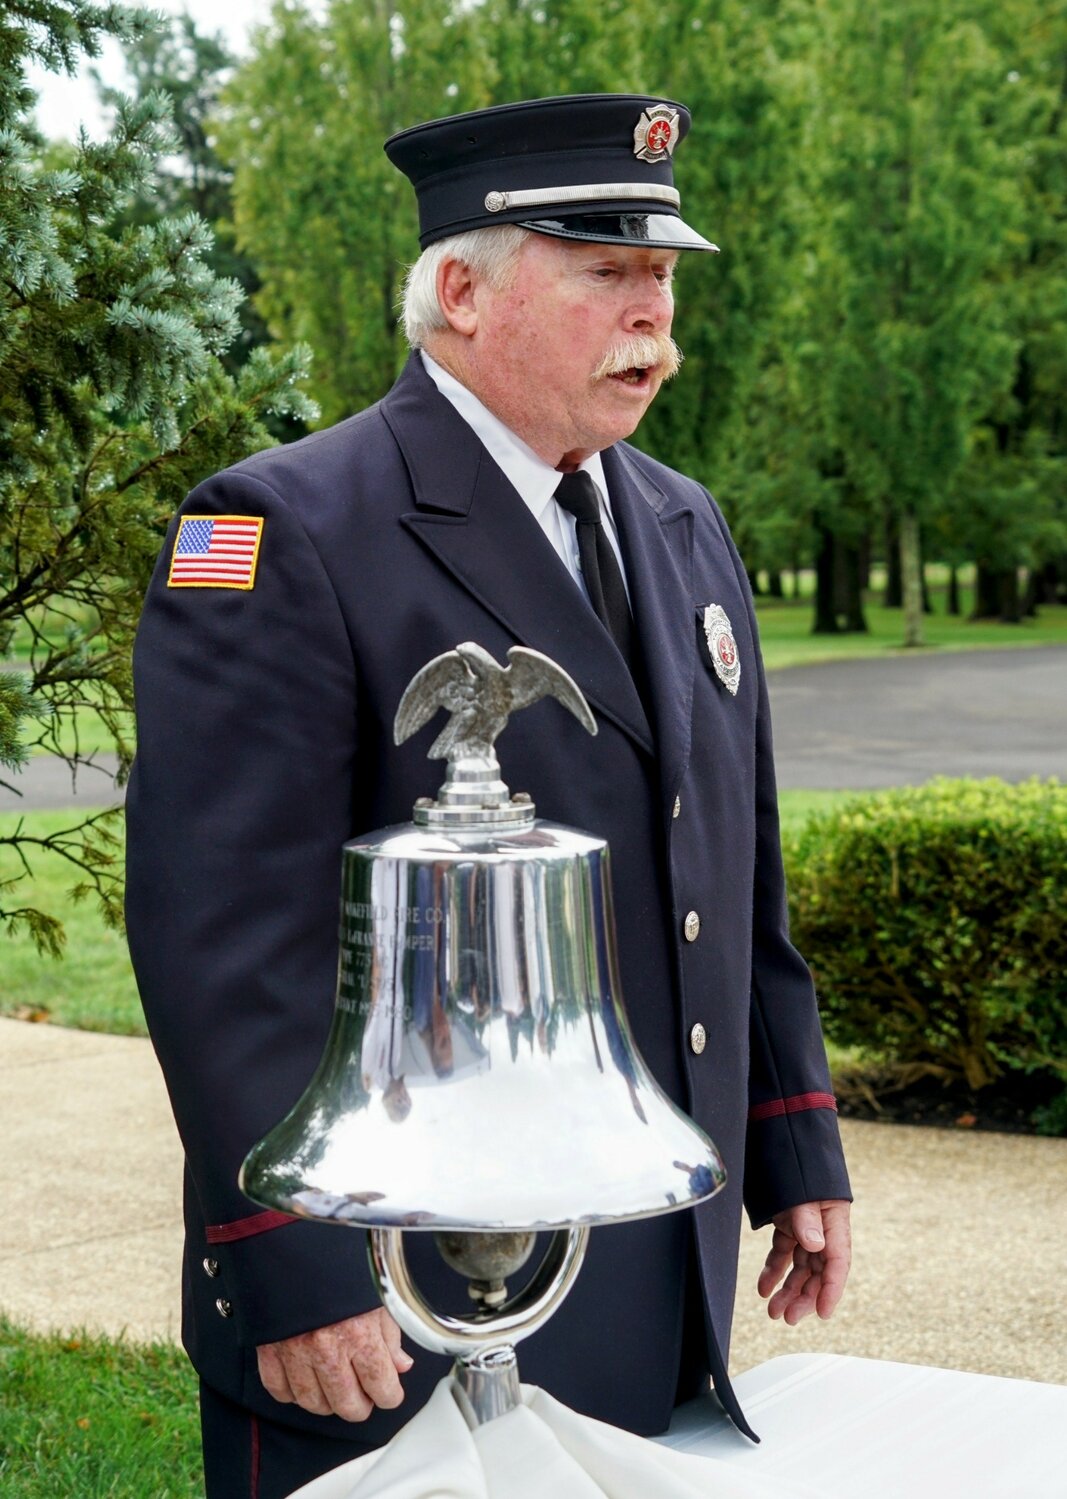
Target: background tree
column 882, row 190
column 113, row 403
column 910, row 201
column 318, row 208
column 1011, row 502
column 730, row 62
column 328, row 222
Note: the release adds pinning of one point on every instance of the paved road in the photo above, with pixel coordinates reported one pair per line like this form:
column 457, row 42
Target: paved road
column 897, row 722
column 47, row 782
column 851, row 724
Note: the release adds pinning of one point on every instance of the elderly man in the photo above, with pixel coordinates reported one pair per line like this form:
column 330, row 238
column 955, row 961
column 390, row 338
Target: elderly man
column 490, row 497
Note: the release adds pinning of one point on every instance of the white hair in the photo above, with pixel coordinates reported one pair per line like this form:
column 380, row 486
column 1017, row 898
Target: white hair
column 490, row 253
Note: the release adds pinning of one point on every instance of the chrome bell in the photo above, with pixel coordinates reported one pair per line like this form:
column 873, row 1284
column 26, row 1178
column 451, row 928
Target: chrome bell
column 480, row 1074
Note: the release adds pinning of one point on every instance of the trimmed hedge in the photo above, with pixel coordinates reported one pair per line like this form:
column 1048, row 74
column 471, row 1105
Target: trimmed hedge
column 933, row 921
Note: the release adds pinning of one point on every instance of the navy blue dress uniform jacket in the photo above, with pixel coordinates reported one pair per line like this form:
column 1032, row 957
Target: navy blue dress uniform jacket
column 265, row 740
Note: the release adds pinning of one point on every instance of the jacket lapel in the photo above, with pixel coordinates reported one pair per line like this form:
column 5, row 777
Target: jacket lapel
column 476, row 525
column 656, row 533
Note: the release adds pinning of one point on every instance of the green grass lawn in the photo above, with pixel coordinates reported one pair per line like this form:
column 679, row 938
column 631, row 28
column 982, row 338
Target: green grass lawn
column 87, row 734
column 83, row 733
column 795, row 807
column 785, row 633
column 88, row 1418
column 91, row 987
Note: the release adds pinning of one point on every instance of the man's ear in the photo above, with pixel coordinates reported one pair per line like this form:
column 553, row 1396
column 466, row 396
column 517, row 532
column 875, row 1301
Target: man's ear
column 455, row 296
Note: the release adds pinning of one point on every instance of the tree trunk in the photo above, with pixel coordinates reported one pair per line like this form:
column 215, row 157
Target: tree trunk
column 1011, row 604
column 775, row 589
column 825, row 622
column 911, row 578
column 1050, row 584
column 894, row 594
column 1030, row 593
column 928, row 607
column 953, row 590
column 849, row 573
column 996, row 594
column 753, row 581
column 986, row 593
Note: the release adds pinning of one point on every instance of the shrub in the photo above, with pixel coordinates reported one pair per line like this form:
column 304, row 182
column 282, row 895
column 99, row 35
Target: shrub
column 933, row 921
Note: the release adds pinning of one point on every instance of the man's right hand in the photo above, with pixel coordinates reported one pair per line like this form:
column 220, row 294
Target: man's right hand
column 343, row 1370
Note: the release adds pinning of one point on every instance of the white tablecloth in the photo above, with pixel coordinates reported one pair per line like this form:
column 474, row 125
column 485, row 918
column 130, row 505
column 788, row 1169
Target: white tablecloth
column 836, row 1427
column 542, row 1450
column 860, row 1428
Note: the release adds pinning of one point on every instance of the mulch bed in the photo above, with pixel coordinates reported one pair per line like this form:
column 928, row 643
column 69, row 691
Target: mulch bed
column 1007, row 1106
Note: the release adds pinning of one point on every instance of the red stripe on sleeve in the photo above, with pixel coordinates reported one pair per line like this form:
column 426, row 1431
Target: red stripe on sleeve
column 795, row 1105
column 246, row 1228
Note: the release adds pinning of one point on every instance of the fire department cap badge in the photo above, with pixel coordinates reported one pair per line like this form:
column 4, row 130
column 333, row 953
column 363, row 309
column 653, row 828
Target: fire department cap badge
column 722, row 647
column 656, row 133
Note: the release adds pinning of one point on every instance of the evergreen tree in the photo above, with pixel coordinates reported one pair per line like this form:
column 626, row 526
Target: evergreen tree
column 113, row 403
column 191, row 68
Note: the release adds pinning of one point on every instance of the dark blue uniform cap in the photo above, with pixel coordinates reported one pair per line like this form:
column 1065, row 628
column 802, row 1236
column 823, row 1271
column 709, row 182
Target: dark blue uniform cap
column 582, row 166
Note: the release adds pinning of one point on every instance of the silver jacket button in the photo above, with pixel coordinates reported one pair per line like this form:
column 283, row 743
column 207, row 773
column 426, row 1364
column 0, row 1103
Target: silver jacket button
column 224, row 1307
column 692, row 927
column 211, row 1268
column 676, row 810
column 698, row 1038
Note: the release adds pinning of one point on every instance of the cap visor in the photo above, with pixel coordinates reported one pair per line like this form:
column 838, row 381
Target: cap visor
column 659, row 231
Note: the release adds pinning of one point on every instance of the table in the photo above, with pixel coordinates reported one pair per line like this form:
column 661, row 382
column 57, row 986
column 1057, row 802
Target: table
column 858, row 1428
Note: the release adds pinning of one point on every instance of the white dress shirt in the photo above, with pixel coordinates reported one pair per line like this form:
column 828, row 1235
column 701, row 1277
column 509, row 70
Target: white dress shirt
column 533, row 478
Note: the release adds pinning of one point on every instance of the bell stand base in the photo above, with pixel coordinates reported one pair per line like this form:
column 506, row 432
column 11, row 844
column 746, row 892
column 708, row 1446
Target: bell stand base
column 487, row 1384
column 486, row 1368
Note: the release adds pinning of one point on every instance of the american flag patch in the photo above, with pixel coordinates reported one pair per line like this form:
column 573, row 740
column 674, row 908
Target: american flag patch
column 216, row 551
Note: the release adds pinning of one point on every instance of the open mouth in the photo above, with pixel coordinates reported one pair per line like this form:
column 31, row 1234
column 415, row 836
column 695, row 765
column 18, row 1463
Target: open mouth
column 635, row 375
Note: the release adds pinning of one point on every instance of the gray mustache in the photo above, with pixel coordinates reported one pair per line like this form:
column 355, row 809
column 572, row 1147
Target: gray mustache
column 656, row 351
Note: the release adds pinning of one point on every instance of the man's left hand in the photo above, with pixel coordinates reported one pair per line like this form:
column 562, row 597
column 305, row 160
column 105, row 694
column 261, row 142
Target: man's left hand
column 813, row 1242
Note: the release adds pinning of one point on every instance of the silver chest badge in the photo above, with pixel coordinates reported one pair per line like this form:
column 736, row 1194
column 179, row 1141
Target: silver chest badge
column 722, row 647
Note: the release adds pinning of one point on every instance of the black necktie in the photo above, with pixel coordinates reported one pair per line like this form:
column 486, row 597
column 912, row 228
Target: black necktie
column 600, row 566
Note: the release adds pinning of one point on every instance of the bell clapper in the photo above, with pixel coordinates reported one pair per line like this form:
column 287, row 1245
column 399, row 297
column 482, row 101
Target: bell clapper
column 485, row 1259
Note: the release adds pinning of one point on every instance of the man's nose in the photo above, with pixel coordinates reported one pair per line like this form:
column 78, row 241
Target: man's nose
column 652, row 309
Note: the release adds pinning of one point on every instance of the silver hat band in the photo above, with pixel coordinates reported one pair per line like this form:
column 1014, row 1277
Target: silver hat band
column 590, row 192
